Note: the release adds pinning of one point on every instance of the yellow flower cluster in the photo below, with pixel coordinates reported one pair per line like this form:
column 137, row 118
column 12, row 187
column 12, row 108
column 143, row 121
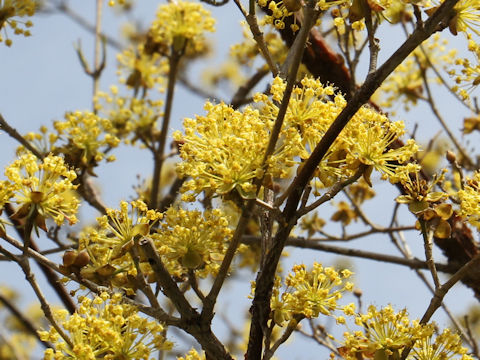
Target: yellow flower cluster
column 108, row 246
column 470, row 200
column 285, row 8
column 87, row 137
column 139, row 69
column 246, row 51
column 406, row 82
column 445, row 346
column 365, row 140
column 192, row 355
column 10, row 9
column 466, row 18
column 104, row 328
column 132, row 118
column 42, row 189
column 468, row 77
column 309, row 293
column 192, row 240
column 182, row 24
column 386, row 333
column 185, row 240
column 224, row 150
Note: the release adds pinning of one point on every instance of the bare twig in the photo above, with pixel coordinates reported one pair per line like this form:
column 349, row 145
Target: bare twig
column 239, row 97
column 169, row 287
column 14, row 134
column 330, row 194
column 428, row 246
column 291, row 327
column 440, row 293
column 27, row 324
column 159, row 151
column 303, row 243
column 258, row 36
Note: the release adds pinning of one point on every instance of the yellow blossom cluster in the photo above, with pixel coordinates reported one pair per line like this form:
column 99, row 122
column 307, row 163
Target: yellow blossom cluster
column 182, row 25
column 309, row 293
column 142, row 69
column 385, row 334
column 468, row 77
column 383, row 331
column 41, row 189
column 87, row 137
column 192, row 355
column 224, row 150
column 105, row 328
column 193, row 240
column 466, row 17
column 285, row 8
column 470, row 200
column 365, row 140
column 446, row 345
column 12, row 9
column 108, row 246
column 407, row 81
column 246, row 51
column 132, row 119
column 185, row 240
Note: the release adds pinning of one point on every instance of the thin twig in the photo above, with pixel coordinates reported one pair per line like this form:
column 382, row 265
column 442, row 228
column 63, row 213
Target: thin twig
column 239, row 97
column 26, row 322
column 14, row 134
column 428, row 246
column 291, row 327
column 24, row 264
column 330, row 194
column 440, row 293
column 442, row 290
column 192, row 280
column 169, row 287
column 258, row 36
column 303, row 243
column 159, row 151
column 96, row 57
column 441, row 120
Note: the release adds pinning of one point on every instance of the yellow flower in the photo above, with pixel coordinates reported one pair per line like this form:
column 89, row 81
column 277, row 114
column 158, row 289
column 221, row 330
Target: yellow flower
column 224, row 150
column 467, row 17
column 192, row 355
column 445, row 347
column 192, row 240
column 385, row 333
column 309, row 292
column 105, row 329
column 468, row 78
column 365, row 140
column 470, row 200
column 108, row 247
column 43, row 189
column 141, row 70
column 370, row 135
column 16, row 8
column 87, row 138
column 182, row 24
column 131, row 118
